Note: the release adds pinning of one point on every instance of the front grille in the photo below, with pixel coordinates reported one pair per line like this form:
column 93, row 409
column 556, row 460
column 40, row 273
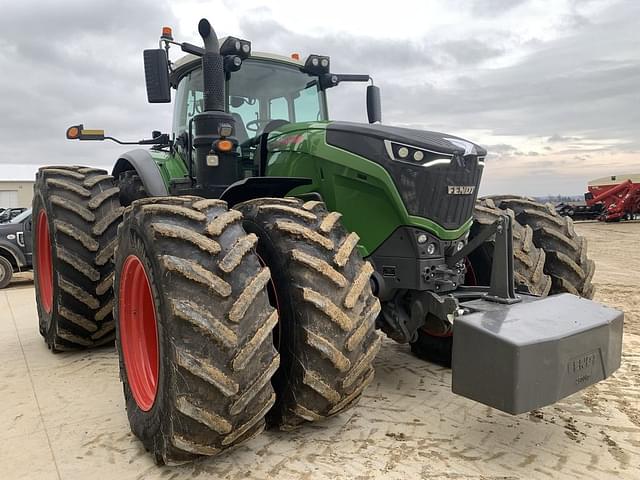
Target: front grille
column 424, row 190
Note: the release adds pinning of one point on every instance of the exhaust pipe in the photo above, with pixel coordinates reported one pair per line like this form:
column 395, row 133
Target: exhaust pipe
column 212, row 169
column 212, row 69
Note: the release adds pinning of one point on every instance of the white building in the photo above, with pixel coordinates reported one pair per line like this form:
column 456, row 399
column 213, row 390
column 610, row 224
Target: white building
column 16, row 193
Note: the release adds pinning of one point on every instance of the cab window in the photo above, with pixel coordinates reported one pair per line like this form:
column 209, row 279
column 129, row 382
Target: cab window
column 279, row 108
column 189, row 101
column 261, row 91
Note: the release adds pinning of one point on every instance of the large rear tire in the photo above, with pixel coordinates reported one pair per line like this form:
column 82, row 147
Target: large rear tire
column 194, row 328
column 327, row 338
column 566, row 251
column 75, row 215
column 131, row 187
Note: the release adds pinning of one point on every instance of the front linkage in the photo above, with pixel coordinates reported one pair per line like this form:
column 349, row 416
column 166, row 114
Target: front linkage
column 403, row 323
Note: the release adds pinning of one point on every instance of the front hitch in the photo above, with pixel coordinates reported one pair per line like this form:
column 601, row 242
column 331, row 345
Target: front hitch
column 502, row 286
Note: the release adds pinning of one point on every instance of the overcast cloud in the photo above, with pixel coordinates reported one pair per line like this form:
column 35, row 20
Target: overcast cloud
column 549, row 87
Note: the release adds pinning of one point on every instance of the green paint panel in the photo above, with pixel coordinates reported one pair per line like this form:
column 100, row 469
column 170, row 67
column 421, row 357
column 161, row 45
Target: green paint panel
column 170, row 164
column 358, row 188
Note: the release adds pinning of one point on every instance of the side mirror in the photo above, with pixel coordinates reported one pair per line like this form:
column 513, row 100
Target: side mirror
column 374, row 108
column 156, row 74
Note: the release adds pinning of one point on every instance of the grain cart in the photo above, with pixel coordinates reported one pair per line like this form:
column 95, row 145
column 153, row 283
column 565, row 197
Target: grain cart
column 244, row 261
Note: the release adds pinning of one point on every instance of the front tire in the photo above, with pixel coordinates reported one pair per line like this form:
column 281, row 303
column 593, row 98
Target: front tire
column 327, row 338
column 567, row 264
column 197, row 377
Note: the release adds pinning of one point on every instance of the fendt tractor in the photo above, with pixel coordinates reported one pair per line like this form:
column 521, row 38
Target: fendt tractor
column 245, row 262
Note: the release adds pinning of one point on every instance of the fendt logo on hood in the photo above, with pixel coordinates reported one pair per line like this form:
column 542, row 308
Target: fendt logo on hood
column 460, row 189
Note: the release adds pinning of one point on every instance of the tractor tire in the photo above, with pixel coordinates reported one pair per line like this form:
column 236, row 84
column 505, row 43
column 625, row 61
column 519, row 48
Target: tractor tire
column 528, row 259
column 194, row 328
column 326, row 335
column 566, row 251
column 75, row 215
column 528, row 266
column 131, row 187
column 6, row 272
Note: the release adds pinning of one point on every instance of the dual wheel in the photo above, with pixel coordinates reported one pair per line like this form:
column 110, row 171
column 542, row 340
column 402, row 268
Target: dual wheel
column 226, row 320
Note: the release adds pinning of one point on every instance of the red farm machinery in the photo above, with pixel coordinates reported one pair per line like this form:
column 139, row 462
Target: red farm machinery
column 609, row 199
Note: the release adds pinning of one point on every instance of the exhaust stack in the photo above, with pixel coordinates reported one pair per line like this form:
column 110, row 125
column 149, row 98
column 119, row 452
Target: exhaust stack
column 212, row 68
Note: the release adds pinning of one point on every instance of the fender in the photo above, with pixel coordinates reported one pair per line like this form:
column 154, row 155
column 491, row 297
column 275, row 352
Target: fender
column 257, row 187
column 12, row 252
column 142, row 162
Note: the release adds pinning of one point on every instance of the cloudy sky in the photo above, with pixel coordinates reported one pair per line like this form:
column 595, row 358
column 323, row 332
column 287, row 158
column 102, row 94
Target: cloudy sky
column 551, row 88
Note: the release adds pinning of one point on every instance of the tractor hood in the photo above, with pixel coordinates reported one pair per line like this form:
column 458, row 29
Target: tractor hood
column 436, row 174
column 432, row 142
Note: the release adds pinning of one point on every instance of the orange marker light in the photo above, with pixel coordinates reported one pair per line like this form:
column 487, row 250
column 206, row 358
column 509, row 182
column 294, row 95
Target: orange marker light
column 73, row 133
column 295, row 56
column 167, row 32
column 224, row 145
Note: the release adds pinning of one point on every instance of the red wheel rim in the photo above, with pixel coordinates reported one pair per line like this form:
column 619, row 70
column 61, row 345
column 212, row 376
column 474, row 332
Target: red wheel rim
column 138, row 332
column 43, row 262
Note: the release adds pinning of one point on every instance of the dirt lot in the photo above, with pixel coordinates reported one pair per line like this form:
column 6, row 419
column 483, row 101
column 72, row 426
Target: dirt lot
column 63, row 417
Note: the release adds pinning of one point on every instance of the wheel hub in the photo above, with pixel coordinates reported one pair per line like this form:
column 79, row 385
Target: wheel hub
column 138, row 332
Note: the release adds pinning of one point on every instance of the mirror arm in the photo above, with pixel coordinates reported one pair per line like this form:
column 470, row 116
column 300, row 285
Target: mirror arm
column 329, row 80
column 159, row 140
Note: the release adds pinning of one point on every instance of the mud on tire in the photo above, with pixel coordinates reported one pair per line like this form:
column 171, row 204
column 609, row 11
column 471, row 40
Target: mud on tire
column 214, row 327
column 82, row 215
column 566, row 251
column 326, row 335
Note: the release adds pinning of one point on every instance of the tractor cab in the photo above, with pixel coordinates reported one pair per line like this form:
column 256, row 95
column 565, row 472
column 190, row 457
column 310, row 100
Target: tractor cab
column 269, row 91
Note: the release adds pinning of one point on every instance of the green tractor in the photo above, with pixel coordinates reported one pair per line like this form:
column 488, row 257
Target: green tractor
column 244, row 263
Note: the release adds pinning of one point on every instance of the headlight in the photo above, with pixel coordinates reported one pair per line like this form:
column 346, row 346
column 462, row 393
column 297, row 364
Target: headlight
column 316, row 65
column 416, row 155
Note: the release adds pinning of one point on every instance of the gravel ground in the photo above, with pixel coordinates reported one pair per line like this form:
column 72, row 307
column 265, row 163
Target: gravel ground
column 63, row 415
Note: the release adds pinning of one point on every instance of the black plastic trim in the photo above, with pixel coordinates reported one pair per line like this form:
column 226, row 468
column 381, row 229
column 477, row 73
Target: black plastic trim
column 257, row 187
column 142, row 162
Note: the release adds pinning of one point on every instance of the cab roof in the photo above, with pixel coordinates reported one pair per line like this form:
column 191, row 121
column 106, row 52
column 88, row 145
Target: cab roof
column 189, row 62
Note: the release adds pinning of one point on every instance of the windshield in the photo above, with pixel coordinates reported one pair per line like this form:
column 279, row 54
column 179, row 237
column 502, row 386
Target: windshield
column 22, row 217
column 260, row 92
